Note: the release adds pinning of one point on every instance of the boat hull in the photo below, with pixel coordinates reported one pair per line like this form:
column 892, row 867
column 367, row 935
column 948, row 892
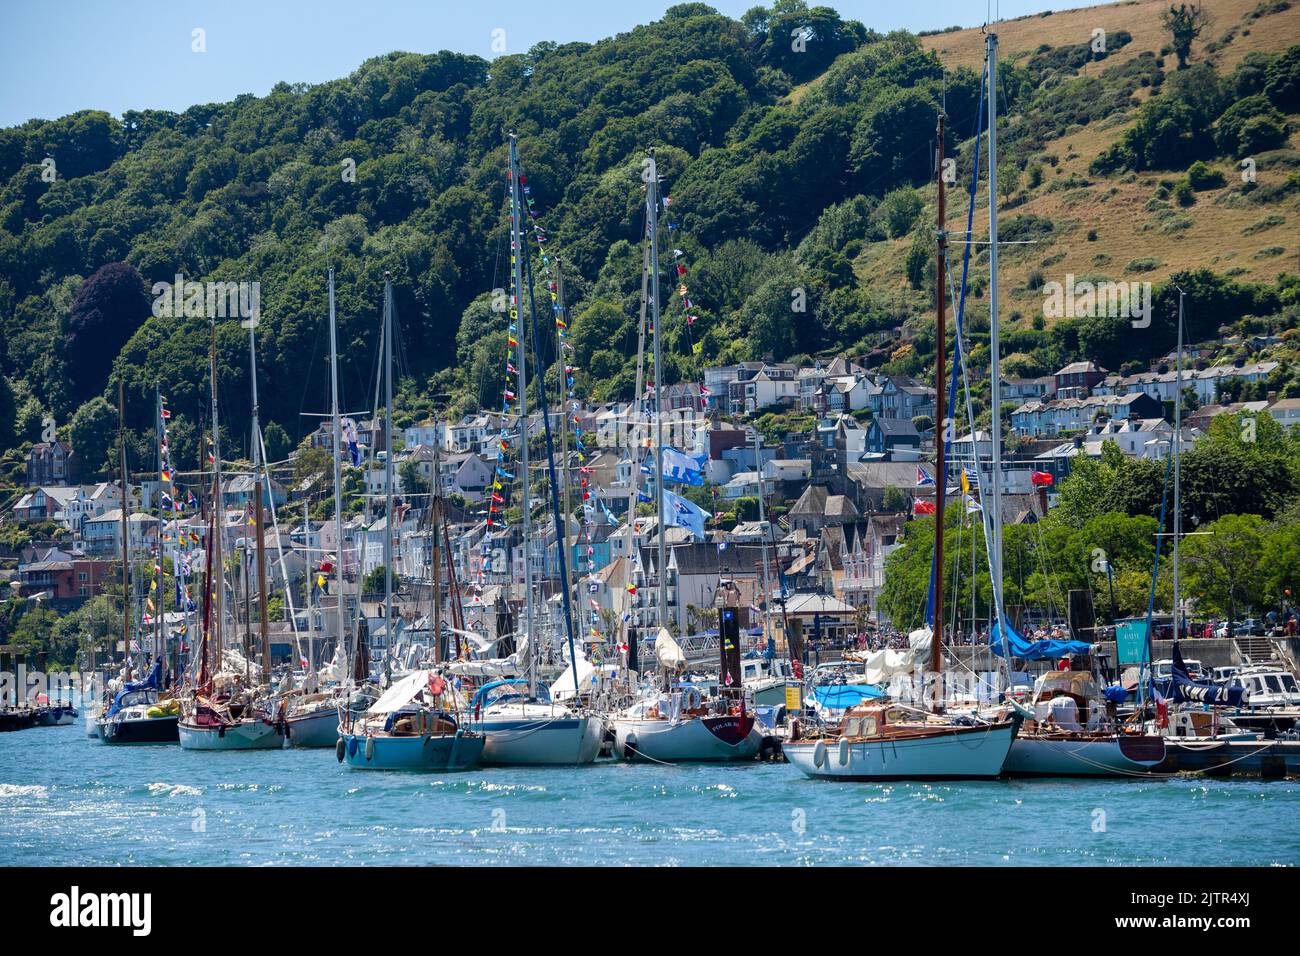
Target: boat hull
column 150, row 730
column 1084, row 757
column 314, row 730
column 56, row 716
column 717, row 738
column 962, row 753
column 538, row 741
column 244, row 735
column 448, row 752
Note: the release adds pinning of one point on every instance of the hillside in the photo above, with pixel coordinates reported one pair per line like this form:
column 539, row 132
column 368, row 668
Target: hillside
column 789, row 171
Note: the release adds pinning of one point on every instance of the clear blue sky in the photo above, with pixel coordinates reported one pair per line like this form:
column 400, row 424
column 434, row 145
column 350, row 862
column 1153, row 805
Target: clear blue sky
column 59, row 56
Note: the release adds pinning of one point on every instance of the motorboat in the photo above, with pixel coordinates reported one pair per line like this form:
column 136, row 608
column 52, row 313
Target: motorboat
column 532, row 728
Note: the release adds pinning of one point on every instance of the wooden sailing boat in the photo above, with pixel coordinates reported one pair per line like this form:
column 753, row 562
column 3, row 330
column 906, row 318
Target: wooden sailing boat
column 672, row 722
column 137, row 714
column 895, row 741
column 229, row 708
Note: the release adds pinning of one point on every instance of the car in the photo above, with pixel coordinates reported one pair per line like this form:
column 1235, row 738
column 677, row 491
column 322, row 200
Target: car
column 1251, row 626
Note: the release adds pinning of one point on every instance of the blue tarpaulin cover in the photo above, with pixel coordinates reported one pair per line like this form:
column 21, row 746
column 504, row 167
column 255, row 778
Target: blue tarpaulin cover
column 843, row 696
column 1035, row 650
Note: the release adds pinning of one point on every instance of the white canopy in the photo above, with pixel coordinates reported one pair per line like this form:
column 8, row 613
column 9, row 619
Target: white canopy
column 668, row 652
column 401, row 692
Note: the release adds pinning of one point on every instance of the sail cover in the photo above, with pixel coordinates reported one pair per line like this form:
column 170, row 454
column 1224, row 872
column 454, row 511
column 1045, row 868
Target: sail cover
column 668, row 652
column 1034, row 650
column 566, row 686
column 1186, row 690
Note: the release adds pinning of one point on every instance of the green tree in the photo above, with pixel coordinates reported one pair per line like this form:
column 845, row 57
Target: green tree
column 93, row 433
column 1223, row 565
column 1184, row 24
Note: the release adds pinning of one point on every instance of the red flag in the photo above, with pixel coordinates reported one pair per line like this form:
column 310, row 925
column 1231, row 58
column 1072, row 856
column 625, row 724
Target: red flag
column 1041, row 478
column 923, row 507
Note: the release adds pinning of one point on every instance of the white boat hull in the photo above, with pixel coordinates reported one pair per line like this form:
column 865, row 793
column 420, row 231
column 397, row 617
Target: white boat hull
column 533, row 739
column 319, row 729
column 964, row 753
column 244, row 735
column 1083, row 757
column 719, row 738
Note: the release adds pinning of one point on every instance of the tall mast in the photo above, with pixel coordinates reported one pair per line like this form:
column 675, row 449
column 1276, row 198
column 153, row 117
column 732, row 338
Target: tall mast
column 259, row 485
column 634, row 409
column 995, row 367
column 762, row 518
column 159, row 647
column 1178, row 450
column 941, row 422
column 388, row 460
column 338, row 472
column 652, row 207
column 218, row 509
column 517, row 262
column 564, row 405
column 126, row 540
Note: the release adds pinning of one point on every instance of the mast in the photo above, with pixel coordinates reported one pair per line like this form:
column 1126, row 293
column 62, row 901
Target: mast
column 1178, row 449
column 517, row 264
column 634, row 409
column 158, row 646
column 995, row 367
column 762, row 518
column 564, row 405
column 260, row 482
column 941, row 421
column 435, row 577
column 338, row 471
column 218, row 507
column 311, row 619
column 652, row 206
column 388, row 460
column 126, row 540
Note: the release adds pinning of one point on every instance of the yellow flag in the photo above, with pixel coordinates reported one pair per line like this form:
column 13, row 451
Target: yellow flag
column 320, row 580
column 965, row 483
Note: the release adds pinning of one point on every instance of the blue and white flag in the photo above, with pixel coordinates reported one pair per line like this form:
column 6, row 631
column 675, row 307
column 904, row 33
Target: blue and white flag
column 681, row 513
column 681, row 468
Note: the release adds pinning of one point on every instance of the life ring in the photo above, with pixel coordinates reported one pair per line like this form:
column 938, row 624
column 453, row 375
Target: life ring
column 340, row 748
column 819, row 754
column 370, row 748
column 846, row 752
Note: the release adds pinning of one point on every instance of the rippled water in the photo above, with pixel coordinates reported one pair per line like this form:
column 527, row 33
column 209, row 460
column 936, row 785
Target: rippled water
column 68, row 799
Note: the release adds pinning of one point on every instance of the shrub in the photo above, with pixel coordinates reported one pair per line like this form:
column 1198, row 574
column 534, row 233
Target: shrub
column 1183, row 194
column 1201, row 177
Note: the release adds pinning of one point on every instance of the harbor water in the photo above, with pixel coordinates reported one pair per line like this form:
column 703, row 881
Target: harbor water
column 66, row 799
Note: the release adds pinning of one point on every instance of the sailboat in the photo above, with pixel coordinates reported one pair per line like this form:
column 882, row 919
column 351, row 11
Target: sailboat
column 228, row 707
column 892, row 740
column 137, row 712
column 415, row 725
column 313, row 715
column 521, row 721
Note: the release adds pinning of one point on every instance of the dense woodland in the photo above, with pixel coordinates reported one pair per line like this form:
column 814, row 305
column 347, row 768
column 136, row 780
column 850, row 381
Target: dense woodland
column 789, row 164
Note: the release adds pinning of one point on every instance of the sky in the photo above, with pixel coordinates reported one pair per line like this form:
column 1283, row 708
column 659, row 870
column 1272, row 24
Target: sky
column 60, row 56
